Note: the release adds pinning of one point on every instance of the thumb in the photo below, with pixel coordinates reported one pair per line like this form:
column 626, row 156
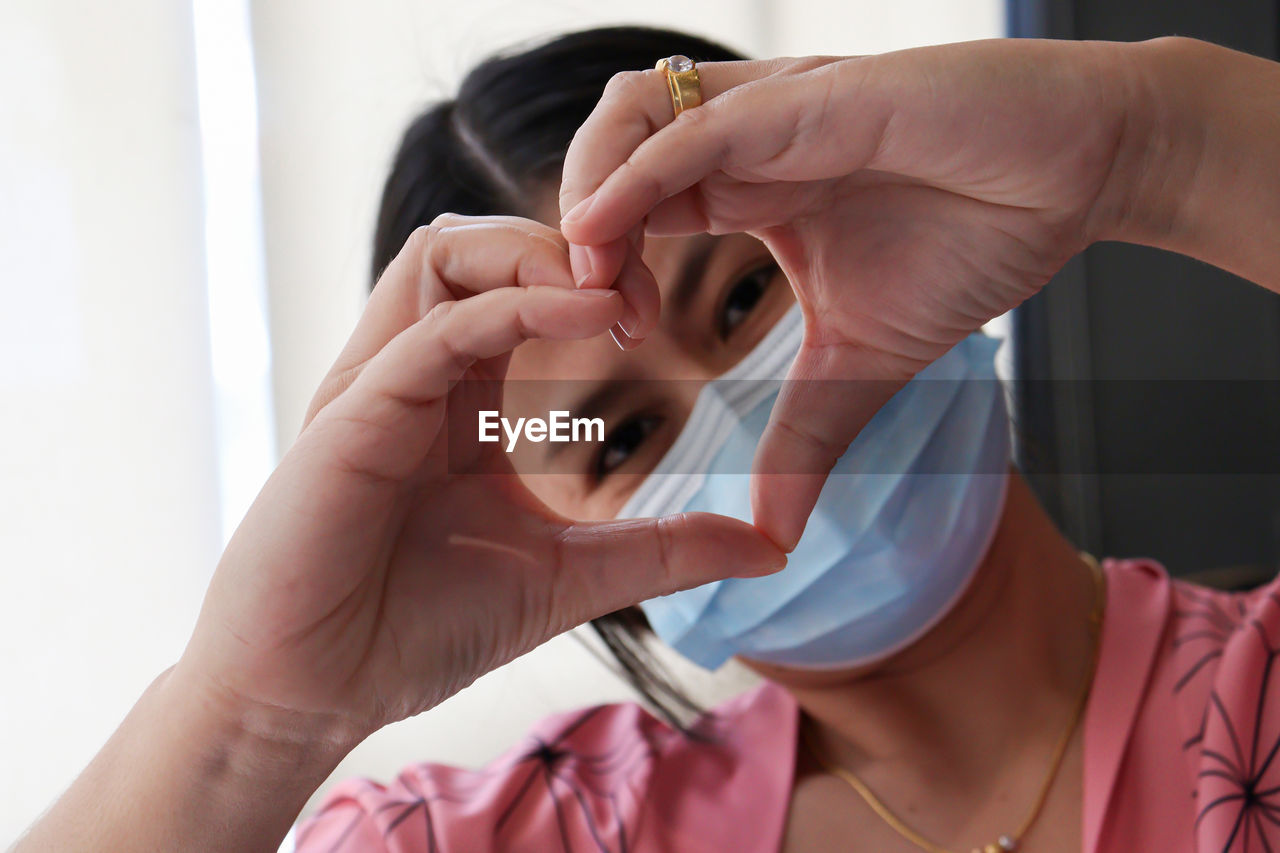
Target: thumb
column 814, row 420
column 608, row 565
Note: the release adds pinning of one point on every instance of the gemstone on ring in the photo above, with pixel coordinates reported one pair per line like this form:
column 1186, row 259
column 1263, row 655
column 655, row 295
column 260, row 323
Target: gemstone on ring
column 680, row 63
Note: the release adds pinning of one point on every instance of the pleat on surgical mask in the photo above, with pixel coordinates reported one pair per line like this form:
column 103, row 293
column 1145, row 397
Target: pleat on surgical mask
column 898, row 531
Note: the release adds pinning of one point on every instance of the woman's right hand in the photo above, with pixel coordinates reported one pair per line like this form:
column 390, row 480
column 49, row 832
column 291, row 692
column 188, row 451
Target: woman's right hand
column 385, row 565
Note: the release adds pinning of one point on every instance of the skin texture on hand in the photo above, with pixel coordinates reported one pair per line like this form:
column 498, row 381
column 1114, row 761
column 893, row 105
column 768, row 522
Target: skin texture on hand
column 390, row 561
column 910, row 197
column 387, row 563
column 1202, row 132
column 189, row 770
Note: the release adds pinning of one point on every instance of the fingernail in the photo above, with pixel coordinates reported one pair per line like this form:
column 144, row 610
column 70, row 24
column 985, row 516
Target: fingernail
column 767, row 568
column 625, row 342
column 606, row 292
column 790, row 537
column 578, row 211
column 580, row 258
column 629, row 321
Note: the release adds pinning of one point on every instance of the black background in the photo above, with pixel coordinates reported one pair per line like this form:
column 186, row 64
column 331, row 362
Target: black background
column 1120, row 311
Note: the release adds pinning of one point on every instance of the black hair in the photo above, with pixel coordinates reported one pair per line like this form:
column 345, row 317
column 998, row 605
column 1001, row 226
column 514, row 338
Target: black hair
column 489, row 151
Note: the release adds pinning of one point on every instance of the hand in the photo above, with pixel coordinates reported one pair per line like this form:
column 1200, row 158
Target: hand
column 373, row 576
column 909, row 197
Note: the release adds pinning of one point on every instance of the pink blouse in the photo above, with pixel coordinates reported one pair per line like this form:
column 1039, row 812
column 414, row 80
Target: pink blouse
column 1180, row 754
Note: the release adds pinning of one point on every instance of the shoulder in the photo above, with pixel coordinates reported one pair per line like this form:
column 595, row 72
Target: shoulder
column 1225, row 646
column 1194, row 629
column 1216, row 674
column 1197, row 624
column 1209, row 628
column 595, row 778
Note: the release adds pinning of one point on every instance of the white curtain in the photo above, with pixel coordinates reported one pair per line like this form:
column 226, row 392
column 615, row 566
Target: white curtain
column 109, row 502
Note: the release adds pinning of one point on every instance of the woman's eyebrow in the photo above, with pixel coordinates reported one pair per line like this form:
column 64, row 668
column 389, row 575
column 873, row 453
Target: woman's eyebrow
column 692, row 267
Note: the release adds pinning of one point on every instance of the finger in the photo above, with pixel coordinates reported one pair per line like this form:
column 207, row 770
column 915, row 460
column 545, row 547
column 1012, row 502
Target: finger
column 682, row 213
column 597, row 266
column 813, row 422
column 390, row 403
column 474, row 254
column 454, row 257
column 633, row 107
column 744, row 209
column 782, row 127
column 631, row 277
column 607, row 565
column 643, row 300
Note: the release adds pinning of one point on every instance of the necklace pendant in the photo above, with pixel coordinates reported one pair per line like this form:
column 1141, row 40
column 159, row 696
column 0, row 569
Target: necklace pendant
column 1005, row 844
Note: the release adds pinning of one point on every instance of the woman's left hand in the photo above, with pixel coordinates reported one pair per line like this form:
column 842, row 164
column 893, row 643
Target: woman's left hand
column 909, row 197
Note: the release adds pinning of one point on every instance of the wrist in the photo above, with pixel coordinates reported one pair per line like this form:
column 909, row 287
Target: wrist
column 237, row 773
column 1141, row 199
column 259, row 745
column 191, row 767
column 1194, row 168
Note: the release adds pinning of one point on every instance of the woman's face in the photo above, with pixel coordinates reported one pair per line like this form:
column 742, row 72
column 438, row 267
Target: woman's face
column 720, row 295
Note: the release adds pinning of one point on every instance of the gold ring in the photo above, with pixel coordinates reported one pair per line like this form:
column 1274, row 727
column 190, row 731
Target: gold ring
column 682, row 80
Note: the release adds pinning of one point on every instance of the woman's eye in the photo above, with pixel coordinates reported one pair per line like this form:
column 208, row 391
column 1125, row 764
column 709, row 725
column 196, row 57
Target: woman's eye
column 622, row 442
column 744, row 297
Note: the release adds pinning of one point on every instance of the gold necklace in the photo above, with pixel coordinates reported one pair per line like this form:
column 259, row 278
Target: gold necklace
column 1005, row 842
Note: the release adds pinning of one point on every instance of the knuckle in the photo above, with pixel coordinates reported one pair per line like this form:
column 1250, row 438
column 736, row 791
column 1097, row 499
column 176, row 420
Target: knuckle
column 802, row 64
column 435, row 251
column 570, row 192
column 446, row 219
column 519, row 321
column 699, row 116
column 539, row 235
column 424, row 236
column 329, row 391
column 418, row 240
column 626, row 85
column 829, row 450
column 665, row 533
column 446, row 333
column 438, row 314
column 562, row 602
column 649, row 185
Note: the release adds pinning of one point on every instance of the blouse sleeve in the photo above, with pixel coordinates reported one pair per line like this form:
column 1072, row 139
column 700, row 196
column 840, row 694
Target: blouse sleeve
column 1226, row 645
column 603, row 779
column 570, row 784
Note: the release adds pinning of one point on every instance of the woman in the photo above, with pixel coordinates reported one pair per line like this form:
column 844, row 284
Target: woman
column 907, row 199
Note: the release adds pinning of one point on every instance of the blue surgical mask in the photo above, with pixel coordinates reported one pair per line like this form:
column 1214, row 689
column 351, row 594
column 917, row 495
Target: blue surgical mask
column 897, row 534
